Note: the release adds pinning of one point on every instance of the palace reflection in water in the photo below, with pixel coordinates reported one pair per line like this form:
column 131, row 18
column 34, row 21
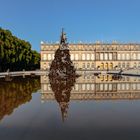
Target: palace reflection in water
column 89, row 87
column 101, row 87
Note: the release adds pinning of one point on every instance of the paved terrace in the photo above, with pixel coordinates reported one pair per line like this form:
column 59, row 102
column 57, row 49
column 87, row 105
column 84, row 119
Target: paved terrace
column 133, row 72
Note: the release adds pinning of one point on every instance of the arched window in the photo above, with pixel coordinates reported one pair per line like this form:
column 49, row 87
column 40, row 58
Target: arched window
column 88, row 65
column 128, row 65
column 111, row 66
column 135, row 65
column 102, row 66
column 83, row 65
column 119, row 65
column 92, row 65
column 106, row 66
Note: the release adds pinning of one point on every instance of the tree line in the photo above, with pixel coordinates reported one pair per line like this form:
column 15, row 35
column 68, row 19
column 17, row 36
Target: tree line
column 16, row 54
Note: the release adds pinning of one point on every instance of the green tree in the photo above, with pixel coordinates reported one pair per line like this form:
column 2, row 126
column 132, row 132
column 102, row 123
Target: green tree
column 16, row 54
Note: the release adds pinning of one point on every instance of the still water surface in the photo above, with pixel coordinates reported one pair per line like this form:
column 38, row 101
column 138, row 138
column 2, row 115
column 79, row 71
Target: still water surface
column 31, row 110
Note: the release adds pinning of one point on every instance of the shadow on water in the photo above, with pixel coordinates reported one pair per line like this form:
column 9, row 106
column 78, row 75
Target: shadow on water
column 15, row 93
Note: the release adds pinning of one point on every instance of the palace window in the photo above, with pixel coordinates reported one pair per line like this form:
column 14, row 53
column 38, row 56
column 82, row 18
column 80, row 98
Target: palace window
column 92, row 65
column 52, row 56
column 44, row 56
column 119, row 56
column 119, row 65
column 111, row 66
column 123, row 86
column 49, row 87
column 114, row 56
column 83, row 57
column 127, row 56
column 123, row 65
column 135, row 65
column 106, row 56
column 92, row 57
column 84, row 66
column 139, row 56
column 44, row 66
column 101, row 87
column 72, row 56
column 105, row 87
column 134, row 86
column 49, row 56
column 127, row 87
column 110, row 56
column 88, row 86
column 76, row 87
column 97, row 56
column 134, row 56
column 88, row 56
column 101, row 56
column 88, row 65
column 128, row 65
column 110, row 87
column 83, row 87
column 92, row 86
column 119, row 86
column 123, row 56
column 76, row 56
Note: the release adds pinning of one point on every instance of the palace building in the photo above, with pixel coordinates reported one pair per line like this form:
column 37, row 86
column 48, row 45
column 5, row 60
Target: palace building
column 97, row 56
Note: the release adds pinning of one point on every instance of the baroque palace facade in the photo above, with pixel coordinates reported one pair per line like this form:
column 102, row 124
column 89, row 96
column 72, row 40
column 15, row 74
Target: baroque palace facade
column 96, row 56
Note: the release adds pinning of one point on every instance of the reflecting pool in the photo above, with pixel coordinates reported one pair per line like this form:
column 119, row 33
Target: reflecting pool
column 89, row 107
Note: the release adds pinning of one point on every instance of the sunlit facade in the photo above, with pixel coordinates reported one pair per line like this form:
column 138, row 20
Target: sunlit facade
column 96, row 56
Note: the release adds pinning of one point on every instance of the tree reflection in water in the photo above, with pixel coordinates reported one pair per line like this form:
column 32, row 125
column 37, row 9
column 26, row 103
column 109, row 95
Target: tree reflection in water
column 62, row 89
column 15, row 93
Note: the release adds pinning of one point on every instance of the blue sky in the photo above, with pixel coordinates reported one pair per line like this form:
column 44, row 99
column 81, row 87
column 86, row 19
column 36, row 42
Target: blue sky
column 83, row 20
